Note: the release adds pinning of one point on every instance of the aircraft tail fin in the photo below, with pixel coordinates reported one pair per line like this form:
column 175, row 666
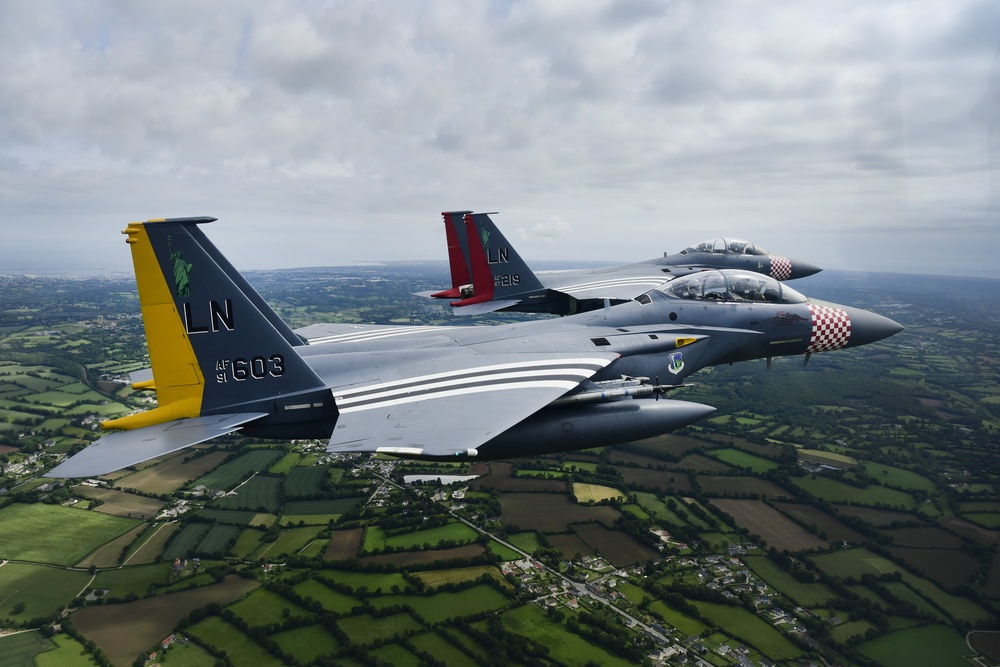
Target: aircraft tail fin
column 498, row 272
column 458, row 254
column 221, row 358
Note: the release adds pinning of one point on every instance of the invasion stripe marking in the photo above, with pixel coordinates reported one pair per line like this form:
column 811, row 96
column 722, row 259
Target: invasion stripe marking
column 459, row 391
column 360, row 336
column 583, row 367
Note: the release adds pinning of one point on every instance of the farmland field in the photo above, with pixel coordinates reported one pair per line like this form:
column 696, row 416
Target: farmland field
column 751, row 629
column 335, row 601
column 737, row 486
column 550, row 513
column 54, row 534
column 307, row 643
column 228, row 475
column 240, row 649
column 167, row 476
column 120, row 503
column 123, row 630
column 367, row 630
column 290, row 541
column 345, row 544
column 152, row 547
column 435, row 578
column 594, row 493
column 20, row 650
column 426, row 556
column 834, row 528
column 834, row 491
column 264, row 607
column 43, row 590
column 107, row 554
column 568, row 648
column 304, row 482
column 260, row 493
column 444, row 605
column 443, row 650
column 807, row 595
column 741, row 459
column 934, row 645
column 375, row 540
column 618, row 547
column 778, row 530
column 185, row 543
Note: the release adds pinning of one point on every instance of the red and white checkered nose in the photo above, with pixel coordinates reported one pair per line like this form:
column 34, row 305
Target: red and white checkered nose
column 781, row 268
column 831, row 328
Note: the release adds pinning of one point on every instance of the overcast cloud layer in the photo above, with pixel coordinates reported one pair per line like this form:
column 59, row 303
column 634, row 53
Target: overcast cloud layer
column 854, row 135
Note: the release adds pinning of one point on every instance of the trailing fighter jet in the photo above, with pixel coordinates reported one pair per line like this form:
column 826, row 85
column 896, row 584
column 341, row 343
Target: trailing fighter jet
column 223, row 361
column 488, row 274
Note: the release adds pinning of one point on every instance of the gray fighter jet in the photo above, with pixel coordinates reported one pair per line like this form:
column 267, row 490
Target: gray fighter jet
column 223, row 361
column 488, row 274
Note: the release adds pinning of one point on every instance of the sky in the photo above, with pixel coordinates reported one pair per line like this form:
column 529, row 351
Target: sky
column 854, row 135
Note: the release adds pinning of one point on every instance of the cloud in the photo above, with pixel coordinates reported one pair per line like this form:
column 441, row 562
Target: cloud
column 629, row 123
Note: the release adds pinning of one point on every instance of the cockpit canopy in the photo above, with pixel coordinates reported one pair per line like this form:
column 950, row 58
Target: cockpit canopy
column 731, row 285
column 727, row 246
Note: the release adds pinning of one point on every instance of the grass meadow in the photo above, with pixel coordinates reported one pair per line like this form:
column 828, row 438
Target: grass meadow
column 444, row 605
column 43, row 590
column 56, row 534
column 240, row 649
column 568, row 648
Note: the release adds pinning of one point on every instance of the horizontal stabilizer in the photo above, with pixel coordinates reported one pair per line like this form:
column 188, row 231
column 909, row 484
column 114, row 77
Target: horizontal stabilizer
column 482, row 307
column 125, row 448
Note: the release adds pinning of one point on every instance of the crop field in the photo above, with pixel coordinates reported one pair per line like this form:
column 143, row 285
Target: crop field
column 594, row 493
column 186, row 542
column 966, row 529
column 528, row 541
column 828, row 458
column 834, row 491
column 569, row 545
column 877, row 517
column 120, row 503
column 426, row 556
column 264, row 607
column 550, row 513
column 396, row 655
column 568, row 648
column 304, row 482
column 285, row 464
column 701, row 463
column 154, row 543
column 345, row 544
column 260, row 493
column 444, row 605
column 751, row 629
column 107, row 554
column 218, row 539
column 671, row 482
column 228, row 475
column 229, row 517
column 500, row 478
column 687, row 625
column 307, row 643
column 335, row 601
column 367, row 630
column 169, row 475
column 20, row 650
column 898, row 477
column 371, row 581
column 375, row 540
column 290, row 541
column 651, row 503
column 948, row 567
column 835, row 529
column 239, row 649
column 807, row 595
column 936, row 645
column 43, row 590
column 333, row 507
column 436, row 578
column 54, row 534
column 741, row 459
column 736, row 486
column 617, row 546
column 137, row 580
column 443, row 650
column 854, row 563
column 778, row 530
column 124, row 630
column 248, row 541
column 925, row 536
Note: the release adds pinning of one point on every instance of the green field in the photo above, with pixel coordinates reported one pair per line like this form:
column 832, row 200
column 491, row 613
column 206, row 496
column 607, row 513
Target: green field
column 834, row 491
column 135, row 580
column 68, row 653
column 367, row 630
column 376, row 540
column 444, row 605
column 264, row 607
column 443, row 650
column 307, row 643
column 42, row 590
column 240, row 649
column 335, row 601
column 929, row 646
column 807, row 595
column 741, row 459
column 290, row 541
column 753, row 630
column 229, row 517
column 260, row 494
column 305, row 482
column 568, row 648
column 228, row 475
column 55, row 534
column 898, row 477
column 370, row 581
column 20, row 650
column 285, row 464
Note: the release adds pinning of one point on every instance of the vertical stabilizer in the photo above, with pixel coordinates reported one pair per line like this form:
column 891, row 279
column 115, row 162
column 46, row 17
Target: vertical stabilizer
column 214, row 344
column 458, row 254
column 498, row 272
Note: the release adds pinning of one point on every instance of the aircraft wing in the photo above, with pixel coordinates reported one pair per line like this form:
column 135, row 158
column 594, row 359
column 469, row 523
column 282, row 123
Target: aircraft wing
column 316, row 334
column 613, row 285
column 451, row 412
column 125, row 448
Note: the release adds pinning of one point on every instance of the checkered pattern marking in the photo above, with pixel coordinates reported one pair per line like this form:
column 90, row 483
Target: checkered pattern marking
column 781, row 268
column 831, row 328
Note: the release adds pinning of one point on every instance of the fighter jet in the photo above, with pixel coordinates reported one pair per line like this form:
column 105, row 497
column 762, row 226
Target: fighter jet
column 488, row 274
column 223, row 361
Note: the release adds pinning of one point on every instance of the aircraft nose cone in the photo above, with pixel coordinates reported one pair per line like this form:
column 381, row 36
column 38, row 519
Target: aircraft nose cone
column 868, row 327
column 802, row 269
